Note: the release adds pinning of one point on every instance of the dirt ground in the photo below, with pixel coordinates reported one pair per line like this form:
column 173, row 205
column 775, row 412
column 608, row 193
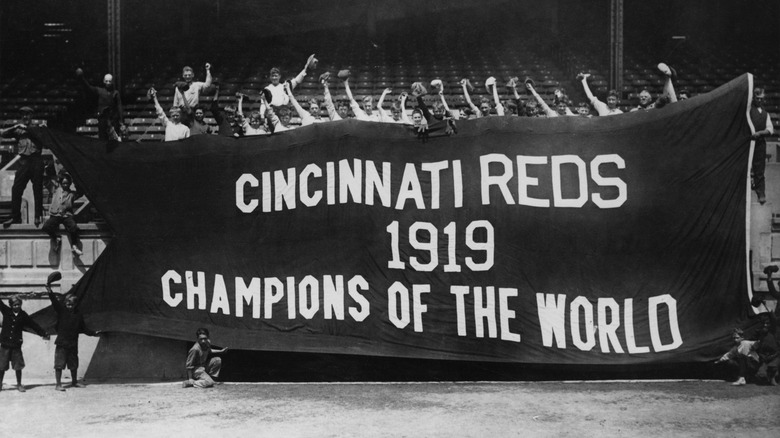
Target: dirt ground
column 559, row 409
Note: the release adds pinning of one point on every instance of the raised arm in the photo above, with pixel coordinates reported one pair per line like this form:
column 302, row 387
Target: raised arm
column 585, row 86
column 547, row 110
column 497, row 101
column 311, row 62
column 332, row 114
column 84, row 83
column 306, row 117
column 463, row 84
column 383, row 115
column 207, row 82
column 404, row 117
column 158, row 108
column 55, row 302
column 359, row 113
column 240, row 104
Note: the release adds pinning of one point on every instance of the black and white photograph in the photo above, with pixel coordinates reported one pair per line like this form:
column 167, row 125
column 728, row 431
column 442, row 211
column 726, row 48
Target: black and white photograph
column 389, row 218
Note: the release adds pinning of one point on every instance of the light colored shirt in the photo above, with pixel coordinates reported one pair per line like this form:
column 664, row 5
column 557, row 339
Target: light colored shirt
column 603, row 109
column 175, row 131
column 192, row 94
column 197, row 357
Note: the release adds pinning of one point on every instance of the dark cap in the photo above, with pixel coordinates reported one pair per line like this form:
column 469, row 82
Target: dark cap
column 26, row 109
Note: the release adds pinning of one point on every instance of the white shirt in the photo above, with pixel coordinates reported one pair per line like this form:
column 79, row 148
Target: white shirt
column 175, row 131
column 192, row 95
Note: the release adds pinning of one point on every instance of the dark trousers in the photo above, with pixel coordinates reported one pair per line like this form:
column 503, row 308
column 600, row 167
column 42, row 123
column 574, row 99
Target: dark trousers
column 52, row 224
column 759, row 165
column 108, row 126
column 30, row 169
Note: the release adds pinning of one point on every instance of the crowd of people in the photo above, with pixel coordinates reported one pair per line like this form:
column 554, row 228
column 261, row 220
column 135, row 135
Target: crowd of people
column 278, row 104
column 755, row 358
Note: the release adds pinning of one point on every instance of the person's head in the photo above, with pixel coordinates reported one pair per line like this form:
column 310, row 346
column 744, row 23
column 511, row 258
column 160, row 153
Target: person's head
column 342, row 108
column 16, row 304
column 275, row 75
column 396, row 111
column 511, row 109
column 562, row 106
column 438, row 110
column 175, row 114
column 203, row 337
column 230, row 113
column 645, row 98
column 612, row 99
column 484, row 106
column 314, row 108
column 187, row 74
column 70, row 302
column 368, row 104
column 108, row 81
column 530, row 109
column 758, row 97
column 684, row 94
column 284, row 115
column 255, row 119
column 417, row 117
column 583, row 109
column 65, row 180
column 737, row 335
column 199, row 114
column 26, row 113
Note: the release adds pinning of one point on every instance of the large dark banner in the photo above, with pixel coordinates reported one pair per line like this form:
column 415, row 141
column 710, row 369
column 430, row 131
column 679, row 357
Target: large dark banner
column 569, row 240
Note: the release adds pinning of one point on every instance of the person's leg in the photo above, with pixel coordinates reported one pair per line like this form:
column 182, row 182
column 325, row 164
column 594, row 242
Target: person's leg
column 59, row 364
column 759, row 166
column 17, row 359
column 202, row 379
column 21, row 178
column 73, row 234
column 37, row 186
column 19, row 385
column 73, row 366
column 51, row 227
column 215, row 365
column 743, row 369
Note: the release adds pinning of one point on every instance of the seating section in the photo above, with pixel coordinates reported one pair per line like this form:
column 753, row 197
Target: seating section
column 396, row 62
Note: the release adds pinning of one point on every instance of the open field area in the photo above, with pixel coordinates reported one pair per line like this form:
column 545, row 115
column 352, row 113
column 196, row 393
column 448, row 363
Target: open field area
column 652, row 408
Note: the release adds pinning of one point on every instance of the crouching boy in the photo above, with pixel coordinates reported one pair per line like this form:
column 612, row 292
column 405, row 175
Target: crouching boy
column 202, row 368
column 14, row 321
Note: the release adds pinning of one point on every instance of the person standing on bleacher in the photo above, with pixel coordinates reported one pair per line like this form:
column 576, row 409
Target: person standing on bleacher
column 30, row 167
column 762, row 125
column 109, row 107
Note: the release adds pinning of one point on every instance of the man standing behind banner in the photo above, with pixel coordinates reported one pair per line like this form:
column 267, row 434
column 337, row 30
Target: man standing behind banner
column 762, row 125
column 191, row 90
column 109, row 108
column 30, row 167
column 202, row 368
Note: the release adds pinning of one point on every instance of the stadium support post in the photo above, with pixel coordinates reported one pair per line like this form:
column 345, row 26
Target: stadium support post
column 616, row 47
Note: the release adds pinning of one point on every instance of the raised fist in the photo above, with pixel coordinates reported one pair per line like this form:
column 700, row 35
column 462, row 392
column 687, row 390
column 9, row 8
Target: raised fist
column 79, row 72
column 208, row 66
